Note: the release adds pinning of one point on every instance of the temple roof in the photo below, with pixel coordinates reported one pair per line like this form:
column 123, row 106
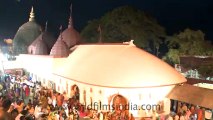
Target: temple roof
column 26, row 34
column 48, row 39
column 117, row 66
column 59, row 49
column 70, row 36
column 38, row 47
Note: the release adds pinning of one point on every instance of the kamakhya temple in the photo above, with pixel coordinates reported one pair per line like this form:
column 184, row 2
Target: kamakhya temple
column 100, row 72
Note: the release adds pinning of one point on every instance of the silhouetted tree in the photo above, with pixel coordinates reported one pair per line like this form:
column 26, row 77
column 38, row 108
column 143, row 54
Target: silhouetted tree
column 123, row 24
column 189, row 42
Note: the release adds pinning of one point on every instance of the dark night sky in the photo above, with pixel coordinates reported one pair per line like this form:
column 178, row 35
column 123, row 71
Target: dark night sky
column 174, row 15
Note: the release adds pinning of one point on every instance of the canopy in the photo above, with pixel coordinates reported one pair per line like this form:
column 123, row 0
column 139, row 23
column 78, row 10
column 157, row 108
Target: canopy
column 193, row 95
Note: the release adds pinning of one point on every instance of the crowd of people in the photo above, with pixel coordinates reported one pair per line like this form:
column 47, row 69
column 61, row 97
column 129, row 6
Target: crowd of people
column 185, row 111
column 22, row 101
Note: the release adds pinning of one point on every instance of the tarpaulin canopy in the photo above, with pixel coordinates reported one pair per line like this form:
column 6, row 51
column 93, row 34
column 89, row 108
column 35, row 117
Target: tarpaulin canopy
column 193, row 95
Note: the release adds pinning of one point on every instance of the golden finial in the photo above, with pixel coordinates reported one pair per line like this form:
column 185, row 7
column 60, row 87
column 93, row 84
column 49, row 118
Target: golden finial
column 32, row 16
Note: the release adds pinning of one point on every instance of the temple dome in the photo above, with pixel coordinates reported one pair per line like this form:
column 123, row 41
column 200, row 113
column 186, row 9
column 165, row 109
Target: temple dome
column 71, row 37
column 48, row 39
column 38, row 47
column 117, row 66
column 60, row 49
column 26, row 34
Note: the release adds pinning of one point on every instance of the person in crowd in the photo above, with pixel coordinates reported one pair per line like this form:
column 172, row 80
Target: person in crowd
column 184, row 108
column 11, row 108
column 37, row 111
column 27, row 91
column 59, row 99
column 199, row 113
column 6, row 105
column 183, row 116
column 14, row 114
column 20, row 106
column 50, row 101
column 30, row 102
column 44, row 101
column 176, row 117
column 17, row 92
column 54, row 101
column 192, row 109
column 65, row 96
column 170, row 117
column 21, row 115
column 188, row 113
column 132, row 117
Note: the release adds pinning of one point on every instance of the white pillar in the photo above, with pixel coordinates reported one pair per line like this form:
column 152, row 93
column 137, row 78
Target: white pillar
column 167, row 105
column 81, row 90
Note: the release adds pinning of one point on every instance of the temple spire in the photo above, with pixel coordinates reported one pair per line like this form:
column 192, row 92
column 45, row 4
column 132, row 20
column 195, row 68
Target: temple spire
column 32, row 15
column 46, row 26
column 61, row 32
column 100, row 34
column 70, row 19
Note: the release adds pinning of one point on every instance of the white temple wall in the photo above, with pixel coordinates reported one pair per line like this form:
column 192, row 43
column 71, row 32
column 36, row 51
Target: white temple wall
column 42, row 68
column 141, row 96
column 134, row 96
column 39, row 66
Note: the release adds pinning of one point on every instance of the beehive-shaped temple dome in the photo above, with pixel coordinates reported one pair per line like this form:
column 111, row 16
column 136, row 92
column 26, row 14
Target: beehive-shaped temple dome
column 60, row 49
column 49, row 40
column 70, row 36
column 26, row 34
column 38, row 47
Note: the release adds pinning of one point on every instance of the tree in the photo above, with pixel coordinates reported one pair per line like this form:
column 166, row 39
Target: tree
column 190, row 43
column 172, row 57
column 123, row 24
column 206, row 70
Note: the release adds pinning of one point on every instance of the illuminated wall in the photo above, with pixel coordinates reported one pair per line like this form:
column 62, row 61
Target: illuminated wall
column 42, row 67
column 139, row 96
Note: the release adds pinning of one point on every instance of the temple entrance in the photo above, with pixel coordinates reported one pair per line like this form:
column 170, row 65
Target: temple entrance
column 119, row 109
column 51, row 85
column 75, row 94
